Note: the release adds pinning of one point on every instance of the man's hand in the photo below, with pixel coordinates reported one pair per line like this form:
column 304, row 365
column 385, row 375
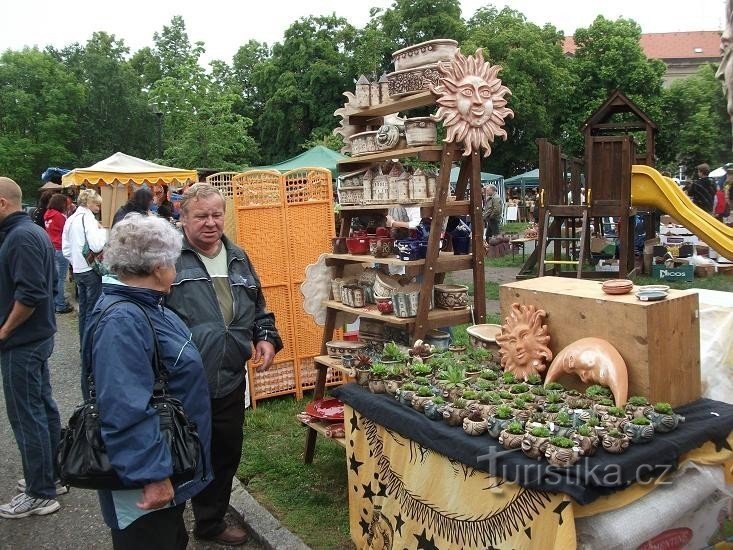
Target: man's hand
column 264, row 351
column 156, row 495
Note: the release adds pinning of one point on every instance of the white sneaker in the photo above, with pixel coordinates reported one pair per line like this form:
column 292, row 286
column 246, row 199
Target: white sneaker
column 60, row 488
column 22, row 506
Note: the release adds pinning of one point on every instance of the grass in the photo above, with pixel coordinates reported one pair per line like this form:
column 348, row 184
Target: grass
column 309, row 500
column 716, row 282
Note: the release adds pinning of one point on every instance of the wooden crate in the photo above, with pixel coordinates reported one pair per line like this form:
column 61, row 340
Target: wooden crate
column 660, row 341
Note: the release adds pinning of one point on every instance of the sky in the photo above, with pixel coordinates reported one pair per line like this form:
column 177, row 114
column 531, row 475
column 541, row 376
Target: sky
column 224, row 25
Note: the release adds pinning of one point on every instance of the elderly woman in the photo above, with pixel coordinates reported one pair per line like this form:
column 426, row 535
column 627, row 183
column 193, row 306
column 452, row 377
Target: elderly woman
column 118, row 350
column 83, row 227
column 140, row 202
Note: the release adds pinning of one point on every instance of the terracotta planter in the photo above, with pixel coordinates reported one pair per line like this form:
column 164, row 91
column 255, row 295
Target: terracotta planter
column 454, row 417
column 421, row 131
column 377, row 386
column 451, row 296
column 533, row 446
column 588, row 444
column 560, row 456
column 510, row 440
column 615, row 445
column 424, row 53
column 474, row 427
column 392, row 386
column 419, row 402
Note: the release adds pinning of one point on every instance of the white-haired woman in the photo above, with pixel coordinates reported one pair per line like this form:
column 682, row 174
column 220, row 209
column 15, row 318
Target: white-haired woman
column 82, row 227
column 118, row 350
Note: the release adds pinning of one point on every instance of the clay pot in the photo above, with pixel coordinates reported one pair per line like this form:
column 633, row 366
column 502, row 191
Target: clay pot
column 662, row 422
column 510, row 440
column 461, row 244
column 639, row 433
column 474, row 427
column 384, row 305
column 420, row 131
column 384, row 247
column 362, row 377
column 434, row 411
column 405, row 397
column 560, row 456
column 376, row 385
column 363, row 143
column 392, row 386
column 588, row 444
column 357, row 245
column 454, row 417
column 533, row 446
column 418, row 402
column 615, row 445
column 496, row 425
column 424, row 53
column 451, row 296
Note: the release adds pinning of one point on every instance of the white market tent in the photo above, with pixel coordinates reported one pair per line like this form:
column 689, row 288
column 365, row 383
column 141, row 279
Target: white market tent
column 114, row 174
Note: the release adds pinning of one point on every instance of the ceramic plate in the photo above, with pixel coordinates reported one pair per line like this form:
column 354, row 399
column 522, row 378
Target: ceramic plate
column 328, row 408
column 663, row 288
column 651, row 295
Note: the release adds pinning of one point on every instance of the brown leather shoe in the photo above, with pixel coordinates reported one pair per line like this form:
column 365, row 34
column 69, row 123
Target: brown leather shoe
column 231, row 536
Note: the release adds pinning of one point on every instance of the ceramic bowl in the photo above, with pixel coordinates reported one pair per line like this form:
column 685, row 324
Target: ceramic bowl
column 363, row 143
column 651, row 295
column 617, row 286
column 384, row 285
column 420, row 131
column 384, row 305
column 412, row 81
column 339, row 348
column 484, row 336
column 357, row 245
column 424, row 53
column 451, row 296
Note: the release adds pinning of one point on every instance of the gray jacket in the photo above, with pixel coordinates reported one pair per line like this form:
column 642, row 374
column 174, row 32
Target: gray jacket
column 224, row 348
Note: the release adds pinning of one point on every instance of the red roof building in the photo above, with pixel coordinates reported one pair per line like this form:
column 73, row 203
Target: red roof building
column 682, row 52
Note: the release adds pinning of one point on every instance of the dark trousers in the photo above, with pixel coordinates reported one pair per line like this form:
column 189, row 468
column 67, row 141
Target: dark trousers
column 492, row 227
column 211, row 504
column 160, row 530
column 88, row 289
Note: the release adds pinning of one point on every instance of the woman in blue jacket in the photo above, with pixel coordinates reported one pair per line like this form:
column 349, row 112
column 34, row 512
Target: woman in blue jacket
column 118, row 348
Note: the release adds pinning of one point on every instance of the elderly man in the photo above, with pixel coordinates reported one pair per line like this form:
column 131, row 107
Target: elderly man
column 218, row 295
column 27, row 327
column 492, row 211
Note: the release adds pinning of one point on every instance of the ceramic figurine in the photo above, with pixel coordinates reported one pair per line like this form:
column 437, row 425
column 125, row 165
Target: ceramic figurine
column 362, row 91
column 523, row 342
column 594, row 361
column 561, row 452
column 418, row 185
column 663, row 418
column 472, row 104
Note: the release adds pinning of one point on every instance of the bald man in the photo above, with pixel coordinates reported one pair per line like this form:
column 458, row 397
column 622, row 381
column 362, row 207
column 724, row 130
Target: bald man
column 27, row 327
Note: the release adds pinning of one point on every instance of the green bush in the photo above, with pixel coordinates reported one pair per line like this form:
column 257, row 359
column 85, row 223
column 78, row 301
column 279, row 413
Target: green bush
column 564, row 442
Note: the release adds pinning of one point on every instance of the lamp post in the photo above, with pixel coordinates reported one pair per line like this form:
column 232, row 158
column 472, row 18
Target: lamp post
column 159, row 121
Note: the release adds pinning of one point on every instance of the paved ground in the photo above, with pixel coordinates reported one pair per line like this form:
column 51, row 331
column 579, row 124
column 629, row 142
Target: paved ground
column 78, row 524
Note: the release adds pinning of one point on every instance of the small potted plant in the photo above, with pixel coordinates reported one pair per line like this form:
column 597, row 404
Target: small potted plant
column 506, row 395
column 615, row 418
column 473, row 370
column 452, row 381
column 508, row 378
column 595, row 424
column 555, row 386
column 488, row 401
column 512, row 434
column 474, row 423
column 636, row 406
column 639, row 430
column 601, row 405
column 499, row 420
column 519, row 388
column 470, row 395
column 521, row 409
column 422, row 396
column 615, row 441
column 534, row 379
column 421, row 351
column 420, row 369
column 406, row 392
column 377, row 375
column 535, row 441
column 484, row 385
column 362, row 364
column 434, row 408
column 551, row 410
column 539, row 393
column 454, row 413
column 553, row 397
column 561, row 452
column 663, row 418
column 586, row 438
column 489, row 374
column 574, row 399
column 563, row 424
column 597, row 392
column 480, row 356
column 392, row 354
column 394, row 379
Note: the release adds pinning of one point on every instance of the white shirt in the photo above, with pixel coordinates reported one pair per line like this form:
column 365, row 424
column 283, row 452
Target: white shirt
column 72, row 239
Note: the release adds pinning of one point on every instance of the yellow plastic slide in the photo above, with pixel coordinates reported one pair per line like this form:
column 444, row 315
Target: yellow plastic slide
column 650, row 188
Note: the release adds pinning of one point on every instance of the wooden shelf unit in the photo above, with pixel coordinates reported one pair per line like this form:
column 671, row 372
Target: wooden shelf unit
column 447, row 261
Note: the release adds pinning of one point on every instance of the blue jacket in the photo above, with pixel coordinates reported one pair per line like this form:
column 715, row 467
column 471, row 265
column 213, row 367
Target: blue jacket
column 28, row 275
column 122, row 351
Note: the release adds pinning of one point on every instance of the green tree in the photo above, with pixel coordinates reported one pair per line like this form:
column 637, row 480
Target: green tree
column 409, row 22
column 39, row 105
column 535, row 70
column 694, row 126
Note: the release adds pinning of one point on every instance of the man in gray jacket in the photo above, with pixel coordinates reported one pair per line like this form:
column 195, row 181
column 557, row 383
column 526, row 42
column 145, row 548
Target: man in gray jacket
column 218, row 295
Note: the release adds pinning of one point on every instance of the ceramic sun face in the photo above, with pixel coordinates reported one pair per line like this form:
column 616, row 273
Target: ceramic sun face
column 472, row 104
column 523, row 341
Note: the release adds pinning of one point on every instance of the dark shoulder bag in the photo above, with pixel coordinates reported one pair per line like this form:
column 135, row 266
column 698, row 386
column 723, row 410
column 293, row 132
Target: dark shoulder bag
column 82, row 456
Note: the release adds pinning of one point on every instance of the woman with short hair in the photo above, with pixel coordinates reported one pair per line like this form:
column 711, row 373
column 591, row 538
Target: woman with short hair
column 118, row 349
column 83, row 227
column 54, row 219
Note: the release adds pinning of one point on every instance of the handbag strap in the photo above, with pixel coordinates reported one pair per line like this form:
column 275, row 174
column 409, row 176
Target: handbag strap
column 161, row 373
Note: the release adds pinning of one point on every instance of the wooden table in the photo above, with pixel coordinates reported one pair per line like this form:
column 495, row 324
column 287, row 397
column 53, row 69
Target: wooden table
column 519, row 243
column 322, row 364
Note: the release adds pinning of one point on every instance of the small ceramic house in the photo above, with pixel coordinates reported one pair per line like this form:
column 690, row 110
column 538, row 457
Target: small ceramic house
column 351, row 189
column 432, row 179
column 367, row 185
column 362, row 91
column 374, row 94
column 394, row 175
column 418, row 185
column 383, row 87
column 403, row 186
column 380, row 187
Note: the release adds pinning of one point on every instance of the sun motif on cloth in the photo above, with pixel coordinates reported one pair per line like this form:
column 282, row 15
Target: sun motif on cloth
column 472, row 104
column 523, row 341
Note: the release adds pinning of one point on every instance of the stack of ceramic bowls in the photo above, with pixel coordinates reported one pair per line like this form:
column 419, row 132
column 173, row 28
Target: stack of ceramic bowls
column 617, row 286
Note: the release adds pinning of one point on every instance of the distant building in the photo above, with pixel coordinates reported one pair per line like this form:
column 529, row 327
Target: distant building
column 682, row 52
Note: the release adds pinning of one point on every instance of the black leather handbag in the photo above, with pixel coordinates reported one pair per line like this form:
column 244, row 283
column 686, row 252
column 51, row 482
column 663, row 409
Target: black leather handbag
column 82, row 458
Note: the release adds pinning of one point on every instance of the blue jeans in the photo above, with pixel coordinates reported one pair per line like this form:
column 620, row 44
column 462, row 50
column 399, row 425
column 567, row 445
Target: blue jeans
column 62, row 268
column 88, row 288
column 33, row 414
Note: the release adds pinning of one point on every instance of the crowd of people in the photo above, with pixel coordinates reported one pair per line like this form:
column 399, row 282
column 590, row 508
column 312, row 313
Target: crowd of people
column 208, row 318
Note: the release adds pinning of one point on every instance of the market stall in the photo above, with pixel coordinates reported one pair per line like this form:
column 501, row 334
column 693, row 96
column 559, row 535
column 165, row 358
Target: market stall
column 116, row 175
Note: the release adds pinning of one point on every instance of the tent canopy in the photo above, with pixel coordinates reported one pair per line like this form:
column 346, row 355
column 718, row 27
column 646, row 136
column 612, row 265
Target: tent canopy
column 318, row 157
column 528, row 179
column 486, row 177
column 122, row 168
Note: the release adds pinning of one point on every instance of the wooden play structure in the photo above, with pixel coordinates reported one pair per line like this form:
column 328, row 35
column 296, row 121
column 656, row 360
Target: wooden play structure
column 576, row 194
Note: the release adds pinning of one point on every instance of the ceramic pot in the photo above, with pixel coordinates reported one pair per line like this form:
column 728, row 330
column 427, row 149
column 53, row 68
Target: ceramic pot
column 384, row 247
column 563, row 431
column 634, row 411
column 496, row 425
column 405, row 303
column 376, row 385
column 392, row 386
column 454, row 417
column 410, row 81
column 347, row 361
column 580, row 416
column 509, row 440
column 419, row 401
column 638, row 433
column 451, row 296
column 533, row 446
column 336, row 289
column 408, row 249
column 362, row 377
column 339, row 348
column 474, row 427
column 588, row 444
column 662, row 422
column 363, row 143
column 615, row 445
column 560, row 456
column 434, row 411
column 339, row 245
column 461, row 244
column 388, row 137
column 422, row 250
column 614, row 422
column 424, row 53
column 357, row 245
column 420, row 131
column 405, row 397
column 384, row 305
column 438, row 338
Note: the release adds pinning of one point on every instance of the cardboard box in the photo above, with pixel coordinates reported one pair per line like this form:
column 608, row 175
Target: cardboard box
column 676, row 273
column 659, row 341
column 703, row 271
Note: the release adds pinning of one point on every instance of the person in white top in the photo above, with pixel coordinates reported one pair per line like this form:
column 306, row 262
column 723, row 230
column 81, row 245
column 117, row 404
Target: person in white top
column 82, row 227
